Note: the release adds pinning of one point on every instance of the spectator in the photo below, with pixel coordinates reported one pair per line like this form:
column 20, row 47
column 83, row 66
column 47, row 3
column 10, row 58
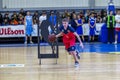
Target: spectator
column 6, row 13
column 20, row 19
column 87, row 17
column 6, row 20
column 1, row 19
column 104, row 17
column 14, row 19
column 110, row 20
column 83, row 19
column 98, row 19
column 36, row 16
column 81, row 15
column 22, row 12
column 87, row 13
column 43, row 17
column 34, row 22
column 65, row 14
column 74, row 22
column 53, row 19
column 14, row 15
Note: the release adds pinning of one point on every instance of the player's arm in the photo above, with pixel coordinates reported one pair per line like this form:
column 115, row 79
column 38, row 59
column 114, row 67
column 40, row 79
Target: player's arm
column 40, row 21
column 81, row 44
column 77, row 23
column 89, row 23
column 59, row 35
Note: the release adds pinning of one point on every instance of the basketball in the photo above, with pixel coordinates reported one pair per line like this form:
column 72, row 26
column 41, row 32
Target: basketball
column 52, row 37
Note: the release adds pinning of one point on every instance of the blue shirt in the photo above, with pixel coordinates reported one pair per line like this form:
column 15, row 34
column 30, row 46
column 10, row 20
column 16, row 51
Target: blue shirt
column 53, row 20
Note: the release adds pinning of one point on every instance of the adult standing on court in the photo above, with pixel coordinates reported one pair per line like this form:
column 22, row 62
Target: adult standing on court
column 110, row 20
column 42, row 17
column 53, row 19
column 117, row 27
column 28, row 22
column 92, row 25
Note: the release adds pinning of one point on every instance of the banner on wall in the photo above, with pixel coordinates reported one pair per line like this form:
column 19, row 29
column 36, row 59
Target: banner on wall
column 19, row 30
column 15, row 31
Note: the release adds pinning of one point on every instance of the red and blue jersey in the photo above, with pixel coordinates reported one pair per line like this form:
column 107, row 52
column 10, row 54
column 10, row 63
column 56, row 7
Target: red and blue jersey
column 68, row 36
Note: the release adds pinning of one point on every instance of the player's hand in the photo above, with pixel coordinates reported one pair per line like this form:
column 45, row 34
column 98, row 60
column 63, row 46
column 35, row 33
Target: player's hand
column 81, row 44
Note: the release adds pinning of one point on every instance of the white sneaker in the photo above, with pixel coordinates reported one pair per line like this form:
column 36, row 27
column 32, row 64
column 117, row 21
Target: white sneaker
column 25, row 42
column 31, row 42
column 77, row 64
column 115, row 42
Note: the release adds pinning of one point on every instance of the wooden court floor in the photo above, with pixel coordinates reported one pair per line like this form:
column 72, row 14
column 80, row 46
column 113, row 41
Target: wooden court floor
column 93, row 66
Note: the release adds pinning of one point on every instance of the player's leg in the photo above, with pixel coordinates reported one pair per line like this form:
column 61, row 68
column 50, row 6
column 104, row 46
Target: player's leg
column 26, row 38
column 90, row 34
column 83, row 37
column 93, row 38
column 72, row 51
column 31, row 39
column 30, row 33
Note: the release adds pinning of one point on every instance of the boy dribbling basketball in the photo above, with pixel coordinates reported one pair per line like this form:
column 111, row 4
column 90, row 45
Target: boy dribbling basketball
column 69, row 36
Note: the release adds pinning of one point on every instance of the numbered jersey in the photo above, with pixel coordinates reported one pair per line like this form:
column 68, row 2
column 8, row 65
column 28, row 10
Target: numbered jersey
column 92, row 21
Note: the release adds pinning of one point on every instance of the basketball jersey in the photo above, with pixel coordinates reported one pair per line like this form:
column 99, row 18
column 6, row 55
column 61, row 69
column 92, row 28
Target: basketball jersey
column 92, row 21
column 28, row 20
column 68, row 35
column 80, row 21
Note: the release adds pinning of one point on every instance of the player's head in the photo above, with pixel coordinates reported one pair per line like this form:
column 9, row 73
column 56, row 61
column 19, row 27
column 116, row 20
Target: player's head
column 78, row 16
column 65, row 22
column 28, row 13
column 118, row 12
column 111, row 12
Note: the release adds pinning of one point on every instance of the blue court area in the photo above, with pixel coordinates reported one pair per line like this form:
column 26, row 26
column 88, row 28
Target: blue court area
column 88, row 47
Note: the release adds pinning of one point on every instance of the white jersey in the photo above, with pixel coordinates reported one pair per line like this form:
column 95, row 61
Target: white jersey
column 117, row 18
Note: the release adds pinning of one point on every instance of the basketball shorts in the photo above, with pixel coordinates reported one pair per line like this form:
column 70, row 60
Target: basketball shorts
column 29, row 30
column 70, row 46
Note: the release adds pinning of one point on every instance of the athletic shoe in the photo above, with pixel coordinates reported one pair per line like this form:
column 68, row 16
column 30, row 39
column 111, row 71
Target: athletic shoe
column 115, row 42
column 25, row 42
column 78, row 54
column 77, row 64
column 31, row 42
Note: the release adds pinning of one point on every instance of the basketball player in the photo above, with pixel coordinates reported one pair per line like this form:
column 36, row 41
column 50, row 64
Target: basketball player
column 117, row 27
column 79, row 29
column 69, row 34
column 92, row 24
column 28, row 27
